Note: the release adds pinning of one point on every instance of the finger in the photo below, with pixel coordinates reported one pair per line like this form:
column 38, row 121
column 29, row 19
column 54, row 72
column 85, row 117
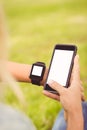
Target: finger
column 51, row 95
column 82, row 89
column 60, row 89
column 76, row 69
column 82, row 96
column 65, row 115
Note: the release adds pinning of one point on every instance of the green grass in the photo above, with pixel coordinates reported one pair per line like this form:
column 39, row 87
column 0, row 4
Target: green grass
column 35, row 27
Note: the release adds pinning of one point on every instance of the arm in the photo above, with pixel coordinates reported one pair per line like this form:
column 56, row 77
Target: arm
column 75, row 120
column 21, row 72
column 70, row 99
column 71, row 102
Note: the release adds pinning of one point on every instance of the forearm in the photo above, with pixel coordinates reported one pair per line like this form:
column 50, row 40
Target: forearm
column 75, row 120
column 21, row 72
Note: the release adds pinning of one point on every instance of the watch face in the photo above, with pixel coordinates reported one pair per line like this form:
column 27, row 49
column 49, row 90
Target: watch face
column 37, row 70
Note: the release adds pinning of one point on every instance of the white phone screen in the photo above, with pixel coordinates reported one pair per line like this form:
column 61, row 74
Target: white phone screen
column 60, row 66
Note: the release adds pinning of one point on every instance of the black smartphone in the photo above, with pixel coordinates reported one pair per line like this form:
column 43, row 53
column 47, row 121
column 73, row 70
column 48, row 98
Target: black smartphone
column 61, row 65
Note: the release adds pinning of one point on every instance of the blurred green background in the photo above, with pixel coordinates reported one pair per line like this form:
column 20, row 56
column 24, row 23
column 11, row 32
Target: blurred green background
column 35, row 26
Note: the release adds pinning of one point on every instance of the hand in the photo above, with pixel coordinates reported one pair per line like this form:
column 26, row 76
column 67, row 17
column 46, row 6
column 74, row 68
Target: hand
column 70, row 97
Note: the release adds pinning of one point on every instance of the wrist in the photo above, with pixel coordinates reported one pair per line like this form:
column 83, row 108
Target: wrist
column 44, row 77
column 75, row 116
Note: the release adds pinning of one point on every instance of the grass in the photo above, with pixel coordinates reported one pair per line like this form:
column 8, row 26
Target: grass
column 35, row 27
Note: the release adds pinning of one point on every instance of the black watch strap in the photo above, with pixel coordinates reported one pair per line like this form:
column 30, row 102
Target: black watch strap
column 41, row 63
column 35, row 82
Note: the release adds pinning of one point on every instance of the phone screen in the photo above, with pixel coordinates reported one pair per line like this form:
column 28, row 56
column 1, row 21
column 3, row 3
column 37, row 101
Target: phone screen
column 60, row 66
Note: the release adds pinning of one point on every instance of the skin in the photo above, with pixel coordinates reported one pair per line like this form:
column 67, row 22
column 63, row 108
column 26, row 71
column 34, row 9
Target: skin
column 21, row 72
column 70, row 98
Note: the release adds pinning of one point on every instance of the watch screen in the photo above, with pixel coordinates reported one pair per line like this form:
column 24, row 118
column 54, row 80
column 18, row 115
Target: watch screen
column 37, row 70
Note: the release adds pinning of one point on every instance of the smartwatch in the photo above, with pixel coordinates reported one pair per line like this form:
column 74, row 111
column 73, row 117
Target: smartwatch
column 37, row 72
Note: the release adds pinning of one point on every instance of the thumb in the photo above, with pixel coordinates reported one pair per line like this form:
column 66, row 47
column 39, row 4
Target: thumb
column 54, row 85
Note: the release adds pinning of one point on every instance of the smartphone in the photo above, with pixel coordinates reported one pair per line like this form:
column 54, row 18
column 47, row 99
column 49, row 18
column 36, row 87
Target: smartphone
column 61, row 65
